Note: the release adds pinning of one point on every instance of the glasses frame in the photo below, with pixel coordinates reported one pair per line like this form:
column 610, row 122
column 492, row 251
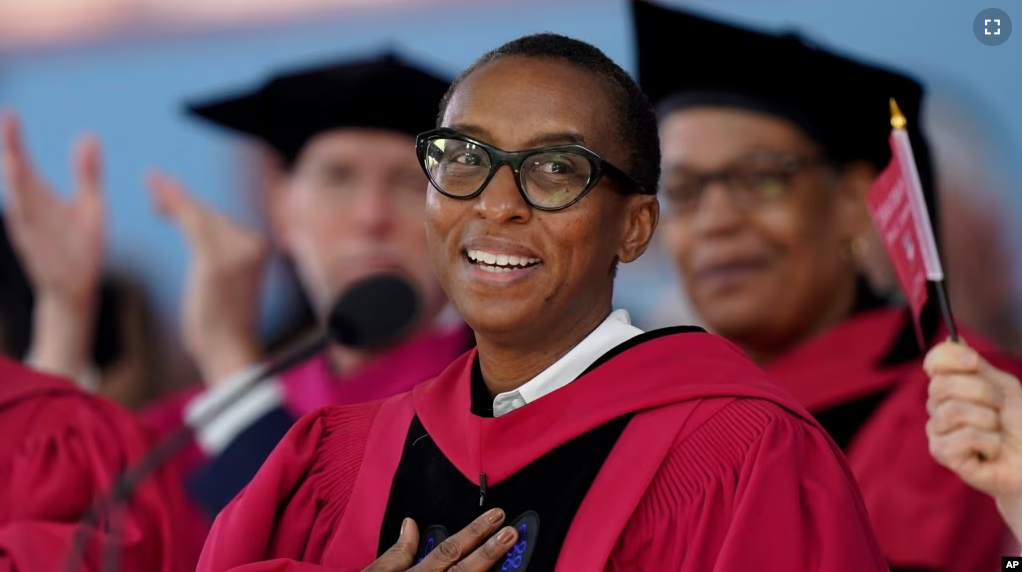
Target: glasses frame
column 791, row 168
column 515, row 159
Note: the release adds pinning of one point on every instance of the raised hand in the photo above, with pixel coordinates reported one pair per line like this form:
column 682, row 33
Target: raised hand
column 473, row 549
column 975, row 426
column 60, row 243
column 220, row 311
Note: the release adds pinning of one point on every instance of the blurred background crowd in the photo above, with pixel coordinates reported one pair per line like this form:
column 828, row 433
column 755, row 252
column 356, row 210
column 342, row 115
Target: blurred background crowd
column 122, row 70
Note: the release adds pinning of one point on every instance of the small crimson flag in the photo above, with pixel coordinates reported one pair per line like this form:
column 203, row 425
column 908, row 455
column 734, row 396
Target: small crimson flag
column 898, row 208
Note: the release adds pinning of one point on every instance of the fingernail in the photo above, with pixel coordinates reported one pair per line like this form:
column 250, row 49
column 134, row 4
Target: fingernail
column 506, row 536
column 967, row 359
column 494, row 516
column 404, row 527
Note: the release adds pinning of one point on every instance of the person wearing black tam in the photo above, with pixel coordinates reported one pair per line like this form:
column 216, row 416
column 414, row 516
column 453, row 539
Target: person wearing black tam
column 346, row 199
column 769, row 145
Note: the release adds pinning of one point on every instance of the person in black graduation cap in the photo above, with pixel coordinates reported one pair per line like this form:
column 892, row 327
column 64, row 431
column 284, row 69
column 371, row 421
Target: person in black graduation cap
column 769, row 146
column 347, row 201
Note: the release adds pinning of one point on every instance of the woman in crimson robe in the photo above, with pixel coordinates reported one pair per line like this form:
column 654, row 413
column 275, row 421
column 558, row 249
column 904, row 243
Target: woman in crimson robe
column 60, row 449
column 769, row 148
column 585, row 443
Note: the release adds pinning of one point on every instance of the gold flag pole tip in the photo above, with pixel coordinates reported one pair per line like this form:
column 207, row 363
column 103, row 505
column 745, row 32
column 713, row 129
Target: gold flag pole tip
column 898, row 120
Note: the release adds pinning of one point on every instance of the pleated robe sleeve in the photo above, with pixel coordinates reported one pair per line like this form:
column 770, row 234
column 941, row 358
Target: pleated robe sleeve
column 59, row 450
column 285, row 517
column 755, row 487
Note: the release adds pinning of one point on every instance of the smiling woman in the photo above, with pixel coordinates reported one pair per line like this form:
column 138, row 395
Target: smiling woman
column 556, row 194
column 603, row 447
column 769, row 151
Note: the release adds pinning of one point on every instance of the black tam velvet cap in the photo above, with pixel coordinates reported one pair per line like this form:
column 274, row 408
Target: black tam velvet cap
column 843, row 104
column 383, row 92
column 686, row 60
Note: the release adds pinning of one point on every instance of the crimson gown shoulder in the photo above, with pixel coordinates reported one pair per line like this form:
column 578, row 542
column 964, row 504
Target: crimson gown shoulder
column 60, row 449
column 753, row 484
column 292, row 506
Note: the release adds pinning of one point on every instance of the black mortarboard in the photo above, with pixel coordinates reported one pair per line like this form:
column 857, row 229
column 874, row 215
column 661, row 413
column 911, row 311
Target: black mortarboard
column 687, row 60
column 290, row 108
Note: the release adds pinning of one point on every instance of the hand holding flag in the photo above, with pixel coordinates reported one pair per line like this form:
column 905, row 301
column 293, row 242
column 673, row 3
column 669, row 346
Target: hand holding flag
column 898, row 207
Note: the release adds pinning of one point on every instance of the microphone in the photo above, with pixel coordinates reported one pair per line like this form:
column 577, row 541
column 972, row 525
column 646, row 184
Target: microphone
column 373, row 313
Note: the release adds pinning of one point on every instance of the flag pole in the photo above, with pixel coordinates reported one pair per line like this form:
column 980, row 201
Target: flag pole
column 934, row 270
column 945, row 309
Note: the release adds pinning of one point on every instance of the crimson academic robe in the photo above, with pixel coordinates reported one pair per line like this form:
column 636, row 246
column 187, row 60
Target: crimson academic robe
column 874, row 405
column 712, row 468
column 59, row 449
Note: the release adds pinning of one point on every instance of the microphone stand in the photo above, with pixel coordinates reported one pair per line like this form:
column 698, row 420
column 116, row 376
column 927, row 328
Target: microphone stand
column 131, row 477
column 355, row 321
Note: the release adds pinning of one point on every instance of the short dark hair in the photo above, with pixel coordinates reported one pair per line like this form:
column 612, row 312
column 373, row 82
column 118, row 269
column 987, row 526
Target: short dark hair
column 636, row 118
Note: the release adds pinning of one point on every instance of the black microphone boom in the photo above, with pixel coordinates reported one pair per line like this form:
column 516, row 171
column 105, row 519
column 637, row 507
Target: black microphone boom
column 372, row 313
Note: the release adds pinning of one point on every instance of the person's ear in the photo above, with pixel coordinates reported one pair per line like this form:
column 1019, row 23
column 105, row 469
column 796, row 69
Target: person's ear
column 852, row 216
column 642, row 213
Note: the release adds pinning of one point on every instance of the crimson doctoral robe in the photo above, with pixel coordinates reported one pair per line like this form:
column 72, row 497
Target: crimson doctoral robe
column 874, row 405
column 715, row 468
column 59, row 449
